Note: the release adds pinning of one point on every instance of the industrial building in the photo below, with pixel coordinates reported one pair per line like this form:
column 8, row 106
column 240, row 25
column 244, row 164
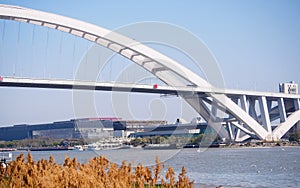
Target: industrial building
column 92, row 128
column 97, row 128
column 172, row 129
column 76, row 128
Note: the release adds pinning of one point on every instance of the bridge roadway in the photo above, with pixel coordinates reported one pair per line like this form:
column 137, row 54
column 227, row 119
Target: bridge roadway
column 139, row 88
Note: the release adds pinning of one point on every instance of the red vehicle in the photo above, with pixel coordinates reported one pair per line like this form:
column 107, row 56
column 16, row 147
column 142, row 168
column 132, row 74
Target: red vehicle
column 1, row 79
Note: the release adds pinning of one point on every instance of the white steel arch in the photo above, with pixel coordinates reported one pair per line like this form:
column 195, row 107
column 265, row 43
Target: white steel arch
column 165, row 68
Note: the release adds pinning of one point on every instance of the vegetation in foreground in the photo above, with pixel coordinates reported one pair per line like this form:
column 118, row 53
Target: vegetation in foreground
column 98, row 172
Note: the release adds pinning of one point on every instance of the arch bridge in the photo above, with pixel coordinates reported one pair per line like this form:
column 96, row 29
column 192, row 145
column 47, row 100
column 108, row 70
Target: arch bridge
column 265, row 116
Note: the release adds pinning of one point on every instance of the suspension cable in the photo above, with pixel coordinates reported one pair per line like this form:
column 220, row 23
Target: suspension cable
column 86, row 60
column 32, row 50
column 17, row 51
column 73, row 56
column 3, row 30
column 110, row 70
column 46, row 53
column 60, row 53
column 3, row 34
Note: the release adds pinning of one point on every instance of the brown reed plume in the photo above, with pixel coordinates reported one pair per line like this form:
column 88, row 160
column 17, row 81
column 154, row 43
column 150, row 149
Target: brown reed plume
column 98, row 172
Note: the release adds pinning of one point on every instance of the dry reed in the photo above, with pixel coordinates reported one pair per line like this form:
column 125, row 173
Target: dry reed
column 98, row 172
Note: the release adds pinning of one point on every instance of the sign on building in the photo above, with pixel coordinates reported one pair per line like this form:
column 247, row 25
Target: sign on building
column 290, row 88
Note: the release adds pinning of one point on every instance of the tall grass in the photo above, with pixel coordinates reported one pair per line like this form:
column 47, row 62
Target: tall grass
column 98, row 172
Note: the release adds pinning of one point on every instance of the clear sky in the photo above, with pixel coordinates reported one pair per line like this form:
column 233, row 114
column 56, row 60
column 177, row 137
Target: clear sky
column 256, row 44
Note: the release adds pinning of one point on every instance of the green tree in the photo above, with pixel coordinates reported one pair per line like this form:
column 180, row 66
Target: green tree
column 294, row 137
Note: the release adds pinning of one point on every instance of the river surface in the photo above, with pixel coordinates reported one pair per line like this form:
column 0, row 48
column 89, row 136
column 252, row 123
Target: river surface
column 229, row 167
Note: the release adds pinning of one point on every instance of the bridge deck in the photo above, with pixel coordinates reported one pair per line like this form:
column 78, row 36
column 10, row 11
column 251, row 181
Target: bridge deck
column 127, row 87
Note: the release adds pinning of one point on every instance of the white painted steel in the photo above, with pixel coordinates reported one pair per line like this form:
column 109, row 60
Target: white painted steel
column 284, row 127
column 265, row 113
column 180, row 89
column 244, row 106
column 281, row 108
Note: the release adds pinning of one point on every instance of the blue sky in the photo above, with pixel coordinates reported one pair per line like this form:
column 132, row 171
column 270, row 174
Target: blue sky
column 256, row 44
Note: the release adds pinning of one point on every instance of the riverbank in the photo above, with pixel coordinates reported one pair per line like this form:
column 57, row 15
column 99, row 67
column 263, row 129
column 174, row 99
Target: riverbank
column 231, row 145
column 264, row 144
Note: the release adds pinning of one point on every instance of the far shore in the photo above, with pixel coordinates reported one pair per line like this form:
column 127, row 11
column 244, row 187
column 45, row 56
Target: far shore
column 232, row 145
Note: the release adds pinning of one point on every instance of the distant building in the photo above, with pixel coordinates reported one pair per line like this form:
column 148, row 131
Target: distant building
column 290, row 88
column 143, row 123
column 91, row 128
column 186, row 129
column 81, row 128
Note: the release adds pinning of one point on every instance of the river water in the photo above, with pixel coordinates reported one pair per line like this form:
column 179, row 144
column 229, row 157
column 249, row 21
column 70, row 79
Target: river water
column 229, row 167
